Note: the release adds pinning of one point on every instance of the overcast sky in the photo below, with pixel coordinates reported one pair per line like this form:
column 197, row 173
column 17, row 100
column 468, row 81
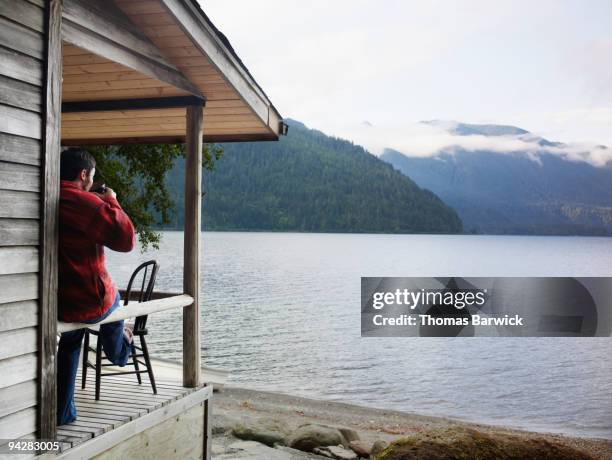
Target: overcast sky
column 545, row 66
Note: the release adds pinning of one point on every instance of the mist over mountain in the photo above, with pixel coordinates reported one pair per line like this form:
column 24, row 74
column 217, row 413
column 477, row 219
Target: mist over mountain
column 545, row 188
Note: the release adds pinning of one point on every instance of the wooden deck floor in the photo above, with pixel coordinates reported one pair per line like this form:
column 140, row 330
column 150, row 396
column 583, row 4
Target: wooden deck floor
column 121, row 401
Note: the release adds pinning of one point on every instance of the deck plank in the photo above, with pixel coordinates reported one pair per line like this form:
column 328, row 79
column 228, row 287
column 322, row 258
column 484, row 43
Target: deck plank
column 145, row 393
column 111, row 419
column 86, row 430
column 108, row 387
column 104, row 411
column 134, row 398
column 132, row 380
column 144, row 389
column 113, row 404
column 166, row 383
column 137, row 393
column 112, row 407
column 82, row 422
column 162, row 384
column 78, row 435
column 115, row 400
column 95, row 413
column 66, row 441
column 109, row 423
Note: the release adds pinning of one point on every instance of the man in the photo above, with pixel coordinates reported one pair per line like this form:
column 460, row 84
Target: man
column 88, row 221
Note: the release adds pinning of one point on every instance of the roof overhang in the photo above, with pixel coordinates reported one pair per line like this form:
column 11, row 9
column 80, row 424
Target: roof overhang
column 160, row 52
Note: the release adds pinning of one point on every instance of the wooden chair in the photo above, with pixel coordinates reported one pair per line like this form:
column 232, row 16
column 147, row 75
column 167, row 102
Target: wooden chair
column 139, row 327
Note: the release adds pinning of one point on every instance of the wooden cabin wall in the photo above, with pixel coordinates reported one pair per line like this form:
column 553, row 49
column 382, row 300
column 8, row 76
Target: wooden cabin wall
column 22, row 48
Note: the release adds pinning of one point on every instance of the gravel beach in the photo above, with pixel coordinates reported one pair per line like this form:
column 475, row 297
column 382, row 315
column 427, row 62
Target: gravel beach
column 234, row 405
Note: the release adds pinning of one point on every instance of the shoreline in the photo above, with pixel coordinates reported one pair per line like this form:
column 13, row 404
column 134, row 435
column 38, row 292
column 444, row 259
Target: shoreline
column 383, row 233
column 233, row 404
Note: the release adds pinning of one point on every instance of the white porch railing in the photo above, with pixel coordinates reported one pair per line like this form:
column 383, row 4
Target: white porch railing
column 132, row 310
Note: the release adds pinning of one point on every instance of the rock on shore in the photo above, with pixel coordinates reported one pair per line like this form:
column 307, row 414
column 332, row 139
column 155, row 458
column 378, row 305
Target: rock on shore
column 466, row 443
column 251, row 424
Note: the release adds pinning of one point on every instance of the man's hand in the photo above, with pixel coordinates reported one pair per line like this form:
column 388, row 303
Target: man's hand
column 108, row 193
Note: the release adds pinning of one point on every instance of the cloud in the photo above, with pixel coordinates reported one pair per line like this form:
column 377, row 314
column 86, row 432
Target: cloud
column 597, row 155
column 545, row 65
column 321, row 60
column 429, row 139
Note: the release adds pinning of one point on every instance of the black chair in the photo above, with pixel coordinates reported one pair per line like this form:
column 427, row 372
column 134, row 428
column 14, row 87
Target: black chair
column 139, row 329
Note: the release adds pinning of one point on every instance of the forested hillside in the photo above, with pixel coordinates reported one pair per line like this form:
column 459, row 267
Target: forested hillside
column 314, row 183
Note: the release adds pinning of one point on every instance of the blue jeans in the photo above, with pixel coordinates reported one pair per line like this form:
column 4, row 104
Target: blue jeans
column 116, row 348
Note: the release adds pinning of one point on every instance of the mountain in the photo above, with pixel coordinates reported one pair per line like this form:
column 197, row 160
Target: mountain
column 467, row 129
column 534, row 191
column 311, row 182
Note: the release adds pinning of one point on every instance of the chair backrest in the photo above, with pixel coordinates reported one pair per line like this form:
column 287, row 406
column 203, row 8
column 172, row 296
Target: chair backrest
column 144, row 288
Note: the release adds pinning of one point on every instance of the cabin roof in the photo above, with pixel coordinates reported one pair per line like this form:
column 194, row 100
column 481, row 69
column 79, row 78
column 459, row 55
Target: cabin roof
column 227, row 44
column 158, row 51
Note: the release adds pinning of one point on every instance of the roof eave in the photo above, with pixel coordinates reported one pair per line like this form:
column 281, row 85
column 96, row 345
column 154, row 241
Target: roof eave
column 217, row 49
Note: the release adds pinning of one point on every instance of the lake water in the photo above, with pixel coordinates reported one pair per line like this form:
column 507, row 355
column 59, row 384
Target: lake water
column 281, row 311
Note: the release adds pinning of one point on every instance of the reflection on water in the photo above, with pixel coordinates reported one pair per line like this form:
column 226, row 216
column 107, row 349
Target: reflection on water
column 282, row 312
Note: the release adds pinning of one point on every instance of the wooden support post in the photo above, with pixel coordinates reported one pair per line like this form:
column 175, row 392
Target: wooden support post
column 52, row 101
column 191, row 251
column 208, row 427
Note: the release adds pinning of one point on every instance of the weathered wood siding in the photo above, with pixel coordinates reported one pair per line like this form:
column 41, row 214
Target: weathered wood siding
column 22, row 49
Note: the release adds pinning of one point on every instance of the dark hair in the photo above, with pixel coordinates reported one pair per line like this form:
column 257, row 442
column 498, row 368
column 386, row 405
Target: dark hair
column 73, row 161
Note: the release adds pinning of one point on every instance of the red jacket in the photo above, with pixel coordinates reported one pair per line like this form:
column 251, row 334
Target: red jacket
column 87, row 223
